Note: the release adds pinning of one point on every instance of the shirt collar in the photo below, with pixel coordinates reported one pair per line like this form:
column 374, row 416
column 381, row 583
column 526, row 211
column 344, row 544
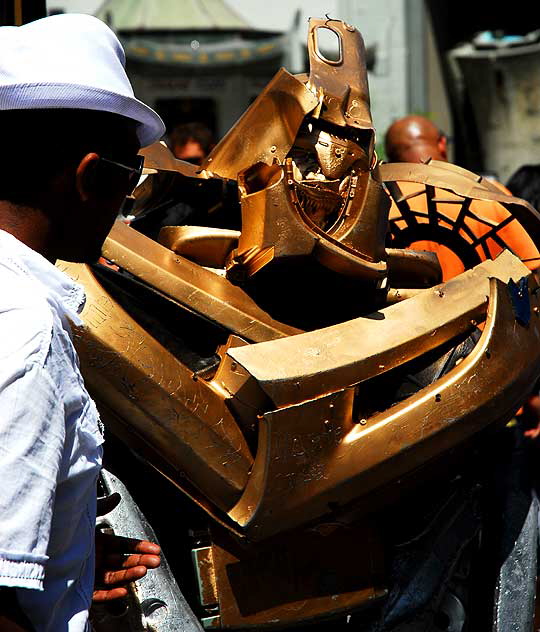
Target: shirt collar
column 69, row 294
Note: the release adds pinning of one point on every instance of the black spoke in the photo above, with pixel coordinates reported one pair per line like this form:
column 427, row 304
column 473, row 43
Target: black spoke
column 460, row 219
column 402, row 203
column 431, row 206
column 493, row 232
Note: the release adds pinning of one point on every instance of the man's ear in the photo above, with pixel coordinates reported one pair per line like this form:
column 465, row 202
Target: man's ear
column 442, row 146
column 85, row 176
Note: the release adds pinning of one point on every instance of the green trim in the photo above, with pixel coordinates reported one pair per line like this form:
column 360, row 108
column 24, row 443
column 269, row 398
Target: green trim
column 221, row 53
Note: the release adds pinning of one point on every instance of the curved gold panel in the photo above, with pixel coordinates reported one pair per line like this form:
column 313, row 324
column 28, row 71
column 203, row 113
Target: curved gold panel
column 206, row 246
column 314, row 453
column 290, row 371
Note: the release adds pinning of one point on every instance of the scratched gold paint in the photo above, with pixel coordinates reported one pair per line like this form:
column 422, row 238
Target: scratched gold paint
column 269, row 443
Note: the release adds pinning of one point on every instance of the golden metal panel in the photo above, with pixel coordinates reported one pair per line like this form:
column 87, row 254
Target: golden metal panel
column 186, row 283
column 344, row 85
column 158, row 157
column 290, row 371
column 325, row 571
column 206, row 246
column 271, row 220
column 412, row 269
column 184, row 423
column 313, row 454
column 266, row 131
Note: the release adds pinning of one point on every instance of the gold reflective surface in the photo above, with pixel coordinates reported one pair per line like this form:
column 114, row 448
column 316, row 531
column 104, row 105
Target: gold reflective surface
column 274, row 434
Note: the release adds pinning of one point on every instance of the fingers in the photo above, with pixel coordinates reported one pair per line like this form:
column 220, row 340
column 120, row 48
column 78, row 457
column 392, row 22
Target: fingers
column 120, row 544
column 118, row 561
column 113, row 584
column 109, row 594
column 110, row 578
column 144, row 546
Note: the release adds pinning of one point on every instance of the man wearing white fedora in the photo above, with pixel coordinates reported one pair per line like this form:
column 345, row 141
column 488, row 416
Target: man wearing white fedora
column 71, row 129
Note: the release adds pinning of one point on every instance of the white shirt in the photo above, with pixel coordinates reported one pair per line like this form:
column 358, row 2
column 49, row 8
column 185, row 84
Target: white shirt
column 50, row 444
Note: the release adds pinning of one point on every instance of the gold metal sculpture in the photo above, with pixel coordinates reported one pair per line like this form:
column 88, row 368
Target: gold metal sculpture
column 276, row 438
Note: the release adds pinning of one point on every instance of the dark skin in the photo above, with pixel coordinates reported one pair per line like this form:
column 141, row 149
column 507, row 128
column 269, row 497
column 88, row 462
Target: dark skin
column 120, row 560
column 71, row 218
column 415, row 139
column 70, row 221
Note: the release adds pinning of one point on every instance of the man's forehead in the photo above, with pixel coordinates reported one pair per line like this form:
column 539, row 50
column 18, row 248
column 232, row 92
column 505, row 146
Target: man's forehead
column 118, row 131
column 127, row 132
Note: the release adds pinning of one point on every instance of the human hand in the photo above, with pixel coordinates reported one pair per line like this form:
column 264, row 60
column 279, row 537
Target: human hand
column 120, row 561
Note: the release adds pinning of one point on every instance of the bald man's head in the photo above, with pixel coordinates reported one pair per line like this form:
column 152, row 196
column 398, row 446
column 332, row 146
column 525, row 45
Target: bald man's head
column 415, row 139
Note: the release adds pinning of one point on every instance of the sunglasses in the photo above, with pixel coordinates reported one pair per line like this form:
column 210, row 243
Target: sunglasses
column 134, row 172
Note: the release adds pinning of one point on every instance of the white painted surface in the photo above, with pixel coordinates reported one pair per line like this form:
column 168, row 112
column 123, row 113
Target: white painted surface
column 275, row 15
column 386, row 30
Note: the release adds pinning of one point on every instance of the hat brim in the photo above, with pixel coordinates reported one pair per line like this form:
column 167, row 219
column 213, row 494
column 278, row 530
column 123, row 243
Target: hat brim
column 31, row 96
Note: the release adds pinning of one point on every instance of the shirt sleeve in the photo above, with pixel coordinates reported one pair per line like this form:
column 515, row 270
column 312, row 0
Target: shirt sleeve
column 32, row 434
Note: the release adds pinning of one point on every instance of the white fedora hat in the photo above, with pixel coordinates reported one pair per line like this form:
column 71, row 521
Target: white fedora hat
column 70, row 61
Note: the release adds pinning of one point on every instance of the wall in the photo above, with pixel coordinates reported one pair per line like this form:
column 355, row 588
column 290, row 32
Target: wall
column 406, row 78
